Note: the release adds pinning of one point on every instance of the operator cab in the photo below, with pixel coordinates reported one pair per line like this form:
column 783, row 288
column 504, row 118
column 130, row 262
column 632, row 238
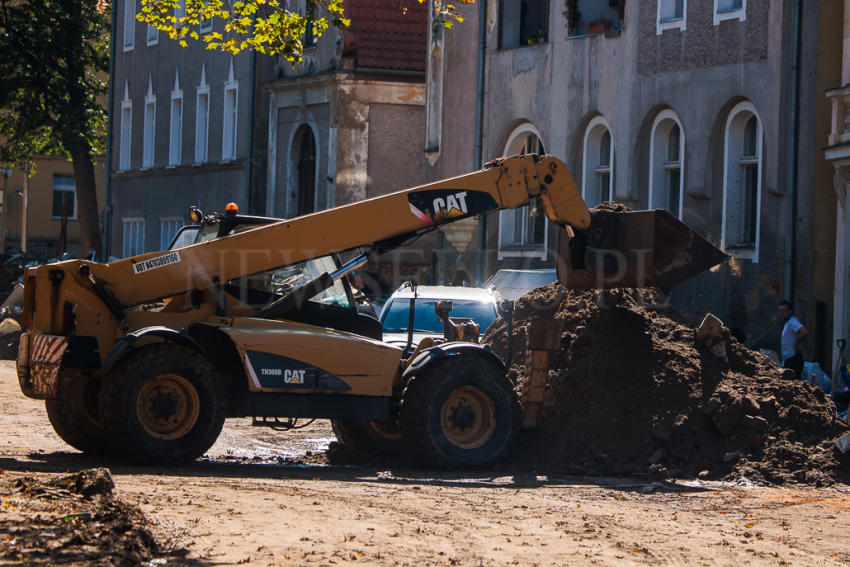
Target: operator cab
column 334, row 307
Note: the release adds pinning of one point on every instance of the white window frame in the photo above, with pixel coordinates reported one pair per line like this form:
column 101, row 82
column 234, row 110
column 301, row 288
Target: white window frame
column 746, row 253
column 205, row 26
column 152, row 35
column 739, row 14
column 202, row 120
column 72, row 189
column 166, row 223
column 507, row 218
column 675, row 23
column 179, row 12
column 129, row 24
column 229, row 117
column 589, row 172
column 175, row 131
column 149, row 130
column 127, row 249
column 126, row 138
column 657, row 177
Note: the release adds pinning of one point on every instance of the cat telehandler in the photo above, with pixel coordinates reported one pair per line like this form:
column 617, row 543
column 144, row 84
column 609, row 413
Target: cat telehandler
column 255, row 318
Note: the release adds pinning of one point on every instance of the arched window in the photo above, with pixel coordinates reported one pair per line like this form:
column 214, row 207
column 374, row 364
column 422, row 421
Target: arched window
column 666, row 156
column 305, row 163
column 598, row 178
column 522, row 232
column 742, row 182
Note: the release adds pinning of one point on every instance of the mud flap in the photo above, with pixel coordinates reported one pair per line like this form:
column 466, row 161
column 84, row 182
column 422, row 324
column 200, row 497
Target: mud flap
column 633, row 249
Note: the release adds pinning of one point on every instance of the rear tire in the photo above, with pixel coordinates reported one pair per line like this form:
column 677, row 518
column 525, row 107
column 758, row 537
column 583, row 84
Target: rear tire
column 75, row 415
column 460, row 412
column 163, row 404
column 369, row 437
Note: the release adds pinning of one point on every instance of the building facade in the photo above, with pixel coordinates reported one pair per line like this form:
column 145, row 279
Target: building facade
column 682, row 105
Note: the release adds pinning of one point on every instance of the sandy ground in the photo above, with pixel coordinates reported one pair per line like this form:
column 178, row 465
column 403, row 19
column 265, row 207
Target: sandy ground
column 257, row 500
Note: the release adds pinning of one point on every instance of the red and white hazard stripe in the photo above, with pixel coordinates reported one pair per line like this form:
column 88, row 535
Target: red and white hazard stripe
column 48, row 348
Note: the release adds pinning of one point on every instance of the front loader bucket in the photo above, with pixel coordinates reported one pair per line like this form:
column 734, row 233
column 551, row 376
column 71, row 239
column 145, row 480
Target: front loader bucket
column 633, row 249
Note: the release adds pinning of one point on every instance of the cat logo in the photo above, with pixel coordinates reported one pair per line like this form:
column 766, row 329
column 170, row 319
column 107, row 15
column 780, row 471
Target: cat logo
column 451, row 206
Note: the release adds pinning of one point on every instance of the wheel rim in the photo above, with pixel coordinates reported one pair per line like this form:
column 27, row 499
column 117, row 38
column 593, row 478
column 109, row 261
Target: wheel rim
column 468, row 417
column 168, row 406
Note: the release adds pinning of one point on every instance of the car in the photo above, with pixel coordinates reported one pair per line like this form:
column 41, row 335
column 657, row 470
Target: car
column 513, row 284
column 472, row 302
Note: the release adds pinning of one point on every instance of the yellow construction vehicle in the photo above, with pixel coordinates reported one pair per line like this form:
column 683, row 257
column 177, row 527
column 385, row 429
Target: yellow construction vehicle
column 257, row 321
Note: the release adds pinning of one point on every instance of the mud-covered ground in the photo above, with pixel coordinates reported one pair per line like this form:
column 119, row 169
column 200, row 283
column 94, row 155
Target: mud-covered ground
column 267, row 498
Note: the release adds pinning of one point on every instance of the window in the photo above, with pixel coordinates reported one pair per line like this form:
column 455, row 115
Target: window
column 742, row 183
column 202, row 118
column 179, row 13
column 129, row 24
column 671, row 15
column 305, row 143
column 729, row 10
column 64, row 197
column 206, row 25
column 153, row 35
column 310, row 38
column 126, row 130
column 523, row 22
column 133, row 236
column 666, row 156
column 228, row 132
column 149, row 134
column 175, row 135
column 522, row 231
column 598, row 171
column 168, row 227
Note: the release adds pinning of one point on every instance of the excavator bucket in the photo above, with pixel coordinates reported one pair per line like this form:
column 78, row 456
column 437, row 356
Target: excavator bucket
column 633, row 249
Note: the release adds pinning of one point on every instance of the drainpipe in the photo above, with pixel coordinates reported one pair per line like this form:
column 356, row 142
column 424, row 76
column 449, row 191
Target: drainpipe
column 791, row 168
column 107, row 205
column 479, row 133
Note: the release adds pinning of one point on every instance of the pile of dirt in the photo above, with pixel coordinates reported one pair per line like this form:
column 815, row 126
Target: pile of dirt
column 74, row 520
column 631, row 391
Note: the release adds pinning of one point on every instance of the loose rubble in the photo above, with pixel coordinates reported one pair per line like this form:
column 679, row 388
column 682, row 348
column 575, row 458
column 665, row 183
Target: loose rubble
column 74, row 519
column 632, row 392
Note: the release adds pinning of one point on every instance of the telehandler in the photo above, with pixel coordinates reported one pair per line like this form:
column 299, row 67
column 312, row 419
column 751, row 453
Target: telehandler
column 258, row 321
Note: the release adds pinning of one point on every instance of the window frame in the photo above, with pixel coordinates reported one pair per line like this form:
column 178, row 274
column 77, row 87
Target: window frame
column 587, row 170
column 739, row 14
column 746, row 251
column 152, row 35
column 125, row 140
column 72, row 190
column 677, row 22
column 666, row 115
column 544, row 30
column 230, row 118
column 129, row 28
column 202, row 149
column 175, row 129
column 139, row 222
column 149, row 130
column 508, row 218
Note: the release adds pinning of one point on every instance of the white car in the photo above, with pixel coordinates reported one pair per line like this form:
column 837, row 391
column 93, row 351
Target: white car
column 513, row 284
column 472, row 302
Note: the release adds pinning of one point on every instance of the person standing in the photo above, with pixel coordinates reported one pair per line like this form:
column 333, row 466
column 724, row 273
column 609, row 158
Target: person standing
column 793, row 333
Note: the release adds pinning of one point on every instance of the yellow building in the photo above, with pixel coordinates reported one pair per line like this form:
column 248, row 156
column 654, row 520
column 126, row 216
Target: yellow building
column 50, row 191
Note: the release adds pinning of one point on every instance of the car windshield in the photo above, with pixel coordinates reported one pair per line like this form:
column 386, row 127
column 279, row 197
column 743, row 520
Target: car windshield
column 425, row 318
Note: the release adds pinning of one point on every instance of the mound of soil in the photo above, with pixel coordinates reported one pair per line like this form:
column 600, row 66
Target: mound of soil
column 74, row 520
column 631, row 391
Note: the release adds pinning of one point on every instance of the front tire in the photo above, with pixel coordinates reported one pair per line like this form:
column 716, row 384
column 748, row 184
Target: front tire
column 75, row 415
column 163, row 404
column 460, row 412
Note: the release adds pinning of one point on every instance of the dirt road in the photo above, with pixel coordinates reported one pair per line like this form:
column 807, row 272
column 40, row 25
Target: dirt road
column 257, row 500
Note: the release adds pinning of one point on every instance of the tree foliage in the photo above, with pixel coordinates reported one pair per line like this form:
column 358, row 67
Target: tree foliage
column 264, row 26
column 54, row 56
